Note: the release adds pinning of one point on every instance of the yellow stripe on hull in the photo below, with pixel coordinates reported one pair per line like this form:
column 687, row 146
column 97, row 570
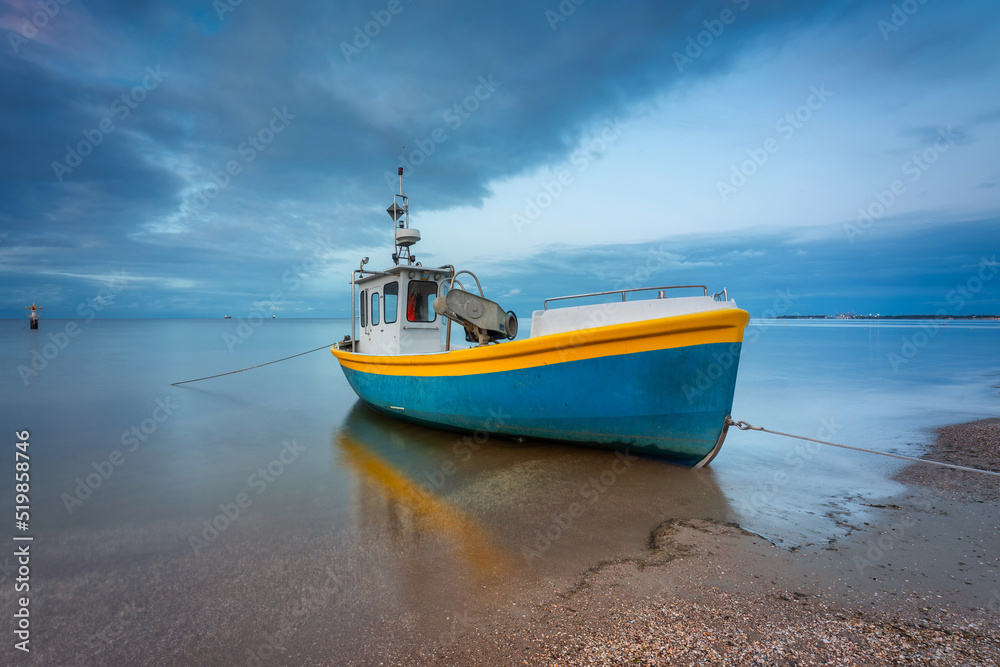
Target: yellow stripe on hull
column 714, row 326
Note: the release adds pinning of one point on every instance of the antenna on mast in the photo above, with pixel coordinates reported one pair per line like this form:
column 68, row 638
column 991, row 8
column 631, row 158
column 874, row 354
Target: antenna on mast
column 403, row 236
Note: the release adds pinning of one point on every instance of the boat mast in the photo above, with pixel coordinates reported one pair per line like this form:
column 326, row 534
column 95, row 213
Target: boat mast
column 403, row 235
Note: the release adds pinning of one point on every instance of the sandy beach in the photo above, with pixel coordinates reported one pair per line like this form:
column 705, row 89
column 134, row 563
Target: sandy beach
column 921, row 585
column 973, row 445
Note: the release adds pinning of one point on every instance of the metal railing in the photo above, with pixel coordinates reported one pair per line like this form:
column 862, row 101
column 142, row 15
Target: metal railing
column 623, row 292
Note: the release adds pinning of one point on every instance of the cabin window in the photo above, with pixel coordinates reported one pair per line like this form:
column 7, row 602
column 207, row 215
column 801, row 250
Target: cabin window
column 420, row 301
column 391, row 302
column 364, row 299
column 375, row 309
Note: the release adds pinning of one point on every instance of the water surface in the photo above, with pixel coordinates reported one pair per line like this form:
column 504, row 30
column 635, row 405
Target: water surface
column 268, row 516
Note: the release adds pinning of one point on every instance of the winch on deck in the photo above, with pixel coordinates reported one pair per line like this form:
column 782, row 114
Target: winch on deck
column 484, row 320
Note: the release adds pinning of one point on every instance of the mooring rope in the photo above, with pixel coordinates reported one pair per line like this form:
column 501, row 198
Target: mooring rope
column 743, row 426
column 325, row 347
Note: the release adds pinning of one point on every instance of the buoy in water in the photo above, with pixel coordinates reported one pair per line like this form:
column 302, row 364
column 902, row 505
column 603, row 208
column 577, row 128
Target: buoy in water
column 32, row 313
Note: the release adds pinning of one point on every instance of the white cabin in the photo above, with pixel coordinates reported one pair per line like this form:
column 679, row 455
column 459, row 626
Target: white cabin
column 396, row 310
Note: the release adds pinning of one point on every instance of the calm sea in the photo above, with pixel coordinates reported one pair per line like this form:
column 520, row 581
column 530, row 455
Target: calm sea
column 267, row 517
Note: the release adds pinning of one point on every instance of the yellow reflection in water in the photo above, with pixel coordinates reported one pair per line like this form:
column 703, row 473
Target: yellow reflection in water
column 417, row 507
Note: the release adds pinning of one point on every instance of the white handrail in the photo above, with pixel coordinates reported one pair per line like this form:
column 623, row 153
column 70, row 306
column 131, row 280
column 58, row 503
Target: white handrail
column 623, row 292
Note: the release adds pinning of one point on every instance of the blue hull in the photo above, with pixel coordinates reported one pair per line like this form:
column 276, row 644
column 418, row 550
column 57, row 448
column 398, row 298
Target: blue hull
column 669, row 403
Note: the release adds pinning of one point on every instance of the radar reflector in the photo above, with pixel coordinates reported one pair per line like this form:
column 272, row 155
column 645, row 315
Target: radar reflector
column 395, row 211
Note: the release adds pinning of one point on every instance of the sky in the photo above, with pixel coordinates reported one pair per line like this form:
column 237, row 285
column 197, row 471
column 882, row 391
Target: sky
column 221, row 157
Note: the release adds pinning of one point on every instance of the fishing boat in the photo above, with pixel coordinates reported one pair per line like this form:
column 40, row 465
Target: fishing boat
column 647, row 369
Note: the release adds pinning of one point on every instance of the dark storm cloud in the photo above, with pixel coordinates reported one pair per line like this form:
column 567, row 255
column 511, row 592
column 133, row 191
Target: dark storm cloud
column 164, row 97
column 902, row 266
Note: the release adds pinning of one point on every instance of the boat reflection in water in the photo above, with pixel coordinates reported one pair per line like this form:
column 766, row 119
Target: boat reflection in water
column 401, row 511
column 510, row 514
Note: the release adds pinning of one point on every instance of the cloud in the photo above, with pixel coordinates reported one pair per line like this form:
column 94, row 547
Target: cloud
column 195, row 188
column 987, row 118
column 737, row 254
column 908, row 268
column 928, row 135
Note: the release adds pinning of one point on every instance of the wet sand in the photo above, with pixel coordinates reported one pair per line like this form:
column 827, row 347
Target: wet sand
column 657, row 570
column 919, row 583
column 973, row 445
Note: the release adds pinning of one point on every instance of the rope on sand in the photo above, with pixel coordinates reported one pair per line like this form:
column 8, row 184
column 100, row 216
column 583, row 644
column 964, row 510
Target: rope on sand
column 743, row 426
